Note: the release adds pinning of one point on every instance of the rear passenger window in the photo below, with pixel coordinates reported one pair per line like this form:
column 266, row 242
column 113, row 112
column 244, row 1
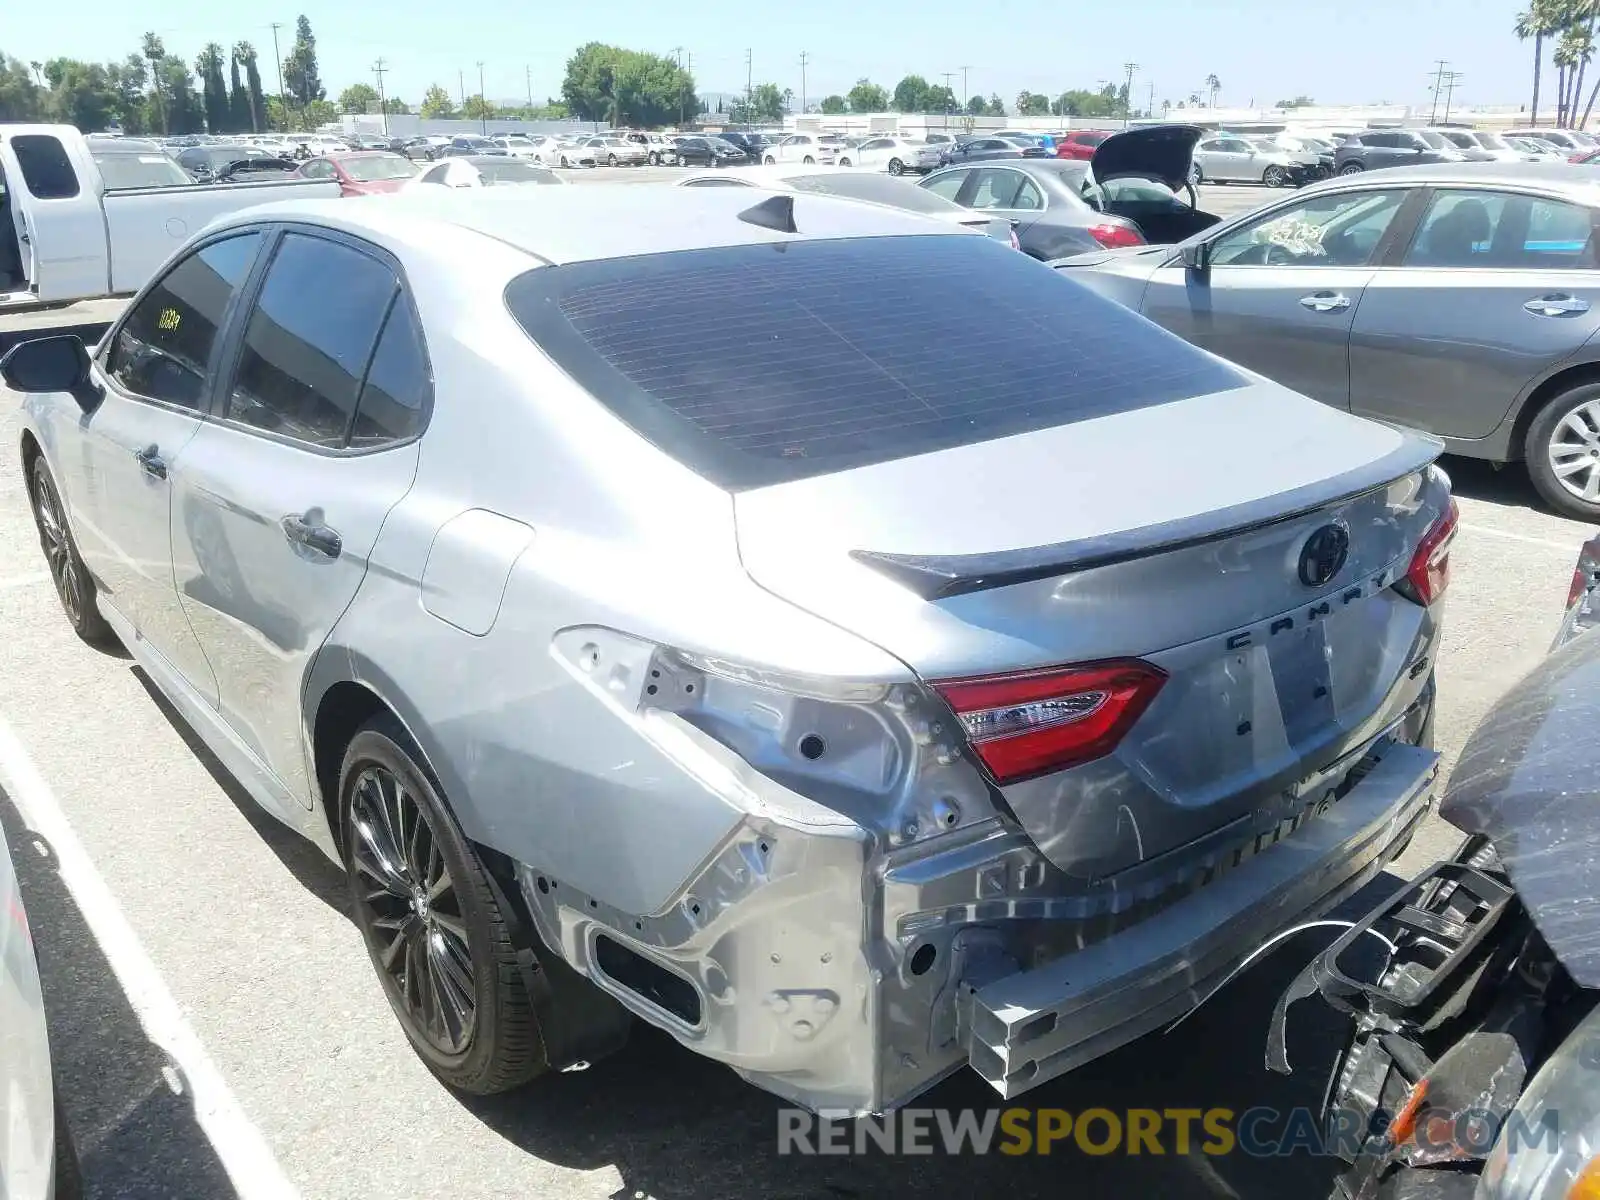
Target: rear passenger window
column 1560, row 235
column 396, row 391
column 163, row 350
column 309, row 340
column 46, row 169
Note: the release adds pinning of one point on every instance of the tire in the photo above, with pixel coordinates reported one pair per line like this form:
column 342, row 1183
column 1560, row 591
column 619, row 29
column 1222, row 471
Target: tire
column 564, row 162
column 1351, row 168
column 770, row 161
column 896, row 167
column 431, row 909
column 1196, row 175
column 74, row 587
column 68, row 1171
column 611, row 160
column 844, row 162
column 809, row 161
column 1275, row 177
column 1570, row 421
column 654, row 160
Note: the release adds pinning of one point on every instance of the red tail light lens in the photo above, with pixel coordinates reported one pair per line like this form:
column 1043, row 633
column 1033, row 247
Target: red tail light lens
column 1429, row 572
column 1112, row 236
column 1035, row 722
column 1587, row 573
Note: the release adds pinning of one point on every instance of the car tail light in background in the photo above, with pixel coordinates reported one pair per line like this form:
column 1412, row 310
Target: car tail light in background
column 1587, row 573
column 1034, row 722
column 1113, row 236
column 1429, row 573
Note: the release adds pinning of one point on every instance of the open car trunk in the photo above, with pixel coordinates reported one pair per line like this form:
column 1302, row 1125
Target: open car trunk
column 1161, row 154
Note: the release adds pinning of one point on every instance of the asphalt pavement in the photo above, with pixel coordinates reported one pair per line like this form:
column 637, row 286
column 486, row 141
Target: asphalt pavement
column 206, row 987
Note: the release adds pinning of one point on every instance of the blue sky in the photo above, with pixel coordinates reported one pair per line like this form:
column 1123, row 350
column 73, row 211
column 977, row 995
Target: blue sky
column 1353, row 51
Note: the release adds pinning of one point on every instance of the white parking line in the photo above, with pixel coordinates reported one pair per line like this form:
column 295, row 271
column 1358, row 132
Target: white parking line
column 239, row 1145
column 1548, row 543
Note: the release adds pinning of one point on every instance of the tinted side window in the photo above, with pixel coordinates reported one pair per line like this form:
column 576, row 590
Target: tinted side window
column 46, row 169
column 309, row 340
column 1338, row 230
column 164, row 347
column 396, row 391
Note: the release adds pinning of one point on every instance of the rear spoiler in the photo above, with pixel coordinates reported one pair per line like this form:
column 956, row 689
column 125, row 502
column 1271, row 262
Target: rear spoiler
column 939, row 576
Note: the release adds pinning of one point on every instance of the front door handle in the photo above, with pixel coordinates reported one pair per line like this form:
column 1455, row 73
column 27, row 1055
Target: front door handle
column 151, row 462
column 1323, row 302
column 307, row 529
column 1558, row 304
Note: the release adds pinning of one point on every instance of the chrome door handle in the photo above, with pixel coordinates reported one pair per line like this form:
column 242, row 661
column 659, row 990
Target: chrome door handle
column 1325, row 302
column 151, row 462
column 306, row 529
column 1559, row 304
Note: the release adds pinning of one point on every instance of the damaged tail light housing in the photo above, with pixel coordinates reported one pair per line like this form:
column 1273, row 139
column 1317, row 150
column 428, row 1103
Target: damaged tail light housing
column 1429, row 573
column 1587, row 573
column 1032, row 723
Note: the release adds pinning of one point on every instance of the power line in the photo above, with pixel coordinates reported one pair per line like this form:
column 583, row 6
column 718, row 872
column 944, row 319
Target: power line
column 378, row 69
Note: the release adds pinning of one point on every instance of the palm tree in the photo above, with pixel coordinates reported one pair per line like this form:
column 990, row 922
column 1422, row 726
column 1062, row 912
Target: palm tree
column 1194, row 99
column 1213, row 85
column 1542, row 19
column 1577, row 46
column 155, row 52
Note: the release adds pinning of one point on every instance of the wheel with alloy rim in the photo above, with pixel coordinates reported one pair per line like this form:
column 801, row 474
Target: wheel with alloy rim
column 74, row 587
column 844, row 162
column 1351, row 169
column 1275, row 177
column 1563, row 453
column 770, row 161
column 432, row 925
column 611, row 160
column 809, row 161
column 896, row 167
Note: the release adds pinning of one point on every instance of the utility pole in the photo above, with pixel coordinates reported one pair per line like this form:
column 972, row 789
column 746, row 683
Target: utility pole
column 965, row 100
column 483, row 101
column 949, row 86
column 749, row 90
column 277, row 57
column 1451, row 78
column 677, row 52
column 527, row 73
column 1438, row 81
column 1127, row 94
column 803, row 57
column 1152, row 109
column 378, row 69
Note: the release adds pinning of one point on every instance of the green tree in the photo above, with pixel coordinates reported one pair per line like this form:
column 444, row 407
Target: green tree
column 1032, row 104
column 395, row 107
column 153, row 51
column 941, row 100
column 766, row 102
column 1079, row 102
column 359, row 98
column 300, row 74
column 476, row 108
column 997, row 107
column 184, row 111
column 834, row 105
column 80, row 94
column 609, row 83
column 214, row 92
column 245, row 55
column 867, row 97
column 21, row 99
column 1213, row 85
column 319, row 113
column 436, row 104
column 977, row 107
column 911, row 95
column 1542, row 19
column 239, row 114
column 128, row 80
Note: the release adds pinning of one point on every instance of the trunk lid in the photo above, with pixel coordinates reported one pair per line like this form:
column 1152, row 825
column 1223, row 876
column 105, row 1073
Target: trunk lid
column 1162, row 152
column 1171, row 534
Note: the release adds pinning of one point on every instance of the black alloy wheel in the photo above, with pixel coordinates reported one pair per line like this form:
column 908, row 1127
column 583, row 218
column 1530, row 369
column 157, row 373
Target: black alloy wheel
column 431, row 921
column 74, row 586
column 896, row 167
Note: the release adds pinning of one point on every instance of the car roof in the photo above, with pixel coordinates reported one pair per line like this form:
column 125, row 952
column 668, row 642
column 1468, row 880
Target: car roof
column 580, row 224
column 1576, row 181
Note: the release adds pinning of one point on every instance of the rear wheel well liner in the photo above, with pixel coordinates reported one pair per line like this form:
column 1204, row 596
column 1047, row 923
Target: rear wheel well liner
column 30, row 451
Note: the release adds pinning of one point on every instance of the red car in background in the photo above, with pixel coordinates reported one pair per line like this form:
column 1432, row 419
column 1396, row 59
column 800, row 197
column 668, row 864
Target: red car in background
column 1080, row 143
column 361, row 172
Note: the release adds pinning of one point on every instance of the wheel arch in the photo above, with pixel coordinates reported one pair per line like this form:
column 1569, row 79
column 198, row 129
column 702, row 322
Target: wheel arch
column 31, row 451
column 1563, row 380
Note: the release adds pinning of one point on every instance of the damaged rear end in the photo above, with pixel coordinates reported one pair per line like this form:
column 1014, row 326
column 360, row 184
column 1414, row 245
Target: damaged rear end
column 1167, row 634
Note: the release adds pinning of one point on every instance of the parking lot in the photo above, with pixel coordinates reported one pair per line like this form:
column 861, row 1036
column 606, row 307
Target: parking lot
column 158, row 891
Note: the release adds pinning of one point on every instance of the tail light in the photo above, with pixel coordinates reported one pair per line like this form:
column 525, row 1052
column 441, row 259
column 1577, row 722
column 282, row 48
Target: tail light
column 1587, row 573
column 1579, row 156
column 1429, row 573
column 1035, row 722
column 1113, row 236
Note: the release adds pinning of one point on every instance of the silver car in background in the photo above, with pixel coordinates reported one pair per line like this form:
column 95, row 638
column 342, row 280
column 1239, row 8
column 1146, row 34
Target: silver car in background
column 819, row 688
column 1229, row 158
column 1460, row 299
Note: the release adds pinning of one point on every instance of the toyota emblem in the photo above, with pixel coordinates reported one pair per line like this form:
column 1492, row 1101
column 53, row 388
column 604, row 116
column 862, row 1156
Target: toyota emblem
column 1323, row 555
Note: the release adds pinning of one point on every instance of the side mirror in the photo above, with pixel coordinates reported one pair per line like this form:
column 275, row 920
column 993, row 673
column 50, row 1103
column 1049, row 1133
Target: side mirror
column 51, row 364
column 1197, row 257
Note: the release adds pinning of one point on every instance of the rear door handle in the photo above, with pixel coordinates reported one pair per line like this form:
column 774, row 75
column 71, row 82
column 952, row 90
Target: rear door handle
column 151, row 462
column 1323, row 302
column 1559, row 304
column 306, row 529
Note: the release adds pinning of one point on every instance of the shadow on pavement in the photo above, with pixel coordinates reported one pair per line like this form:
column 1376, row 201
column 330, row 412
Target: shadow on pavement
column 678, row 1127
column 1508, row 485
column 137, row 1139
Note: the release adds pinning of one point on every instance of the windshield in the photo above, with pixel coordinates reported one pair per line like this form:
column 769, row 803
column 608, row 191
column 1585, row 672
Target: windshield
column 1491, row 141
column 513, row 170
column 830, row 139
column 378, row 168
column 517, row 141
column 719, row 143
column 876, row 189
column 1436, row 140
column 122, row 171
column 818, row 356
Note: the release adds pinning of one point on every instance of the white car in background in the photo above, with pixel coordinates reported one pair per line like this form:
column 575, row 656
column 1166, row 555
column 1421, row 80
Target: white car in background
column 567, row 152
column 850, row 183
column 479, row 171
column 1537, row 149
column 827, row 148
column 517, row 146
column 897, row 155
column 37, row 1160
column 616, row 152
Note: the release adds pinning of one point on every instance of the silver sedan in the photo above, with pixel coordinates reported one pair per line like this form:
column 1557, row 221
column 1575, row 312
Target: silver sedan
column 815, row 688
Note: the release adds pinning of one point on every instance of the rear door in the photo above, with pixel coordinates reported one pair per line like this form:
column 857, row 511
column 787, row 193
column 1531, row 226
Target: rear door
column 1493, row 292
column 1008, row 193
column 53, row 192
column 278, row 499
column 1281, row 291
column 1225, row 158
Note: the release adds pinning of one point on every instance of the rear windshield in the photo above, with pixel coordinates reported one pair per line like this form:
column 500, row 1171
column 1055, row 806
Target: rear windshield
column 814, row 357
column 121, row 171
column 379, row 167
column 512, row 170
column 878, row 189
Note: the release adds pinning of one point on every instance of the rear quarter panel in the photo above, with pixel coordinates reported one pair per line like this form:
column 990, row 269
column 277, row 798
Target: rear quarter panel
column 27, row 1122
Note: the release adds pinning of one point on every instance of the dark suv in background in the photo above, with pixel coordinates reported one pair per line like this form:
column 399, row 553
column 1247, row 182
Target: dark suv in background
column 750, row 143
column 1375, row 148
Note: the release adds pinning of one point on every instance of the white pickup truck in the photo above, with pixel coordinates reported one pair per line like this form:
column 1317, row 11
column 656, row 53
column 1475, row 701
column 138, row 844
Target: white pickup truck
column 82, row 218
